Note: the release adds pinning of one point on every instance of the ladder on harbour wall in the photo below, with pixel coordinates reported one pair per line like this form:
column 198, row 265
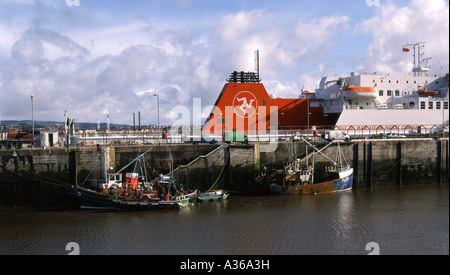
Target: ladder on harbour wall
column 196, row 160
column 205, row 156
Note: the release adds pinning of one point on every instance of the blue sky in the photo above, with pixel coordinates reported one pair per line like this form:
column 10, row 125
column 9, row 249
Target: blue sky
column 110, row 56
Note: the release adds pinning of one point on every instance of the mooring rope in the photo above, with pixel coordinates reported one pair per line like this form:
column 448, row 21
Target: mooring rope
column 227, row 165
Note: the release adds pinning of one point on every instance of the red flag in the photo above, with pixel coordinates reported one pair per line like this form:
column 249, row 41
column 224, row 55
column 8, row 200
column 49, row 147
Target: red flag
column 406, row 50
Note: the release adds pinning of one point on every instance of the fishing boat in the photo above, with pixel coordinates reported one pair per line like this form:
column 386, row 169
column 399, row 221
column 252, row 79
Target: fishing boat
column 170, row 186
column 299, row 180
column 176, row 190
column 186, row 199
column 123, row 199
column 166, row 201
column 136, row 193
column 213, row 195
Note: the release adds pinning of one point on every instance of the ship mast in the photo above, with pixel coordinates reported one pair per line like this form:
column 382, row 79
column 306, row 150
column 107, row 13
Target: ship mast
column 418, row 70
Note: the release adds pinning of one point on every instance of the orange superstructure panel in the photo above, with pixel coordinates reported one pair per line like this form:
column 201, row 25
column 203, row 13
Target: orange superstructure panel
column 248, row 107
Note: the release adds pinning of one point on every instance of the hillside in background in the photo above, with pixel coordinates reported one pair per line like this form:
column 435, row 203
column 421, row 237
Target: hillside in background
column 27, row 124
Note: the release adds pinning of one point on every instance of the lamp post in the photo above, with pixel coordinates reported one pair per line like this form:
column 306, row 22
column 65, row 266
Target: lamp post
column 159, row 137
column 32, row 119
column 307, row 118
column 443, row 117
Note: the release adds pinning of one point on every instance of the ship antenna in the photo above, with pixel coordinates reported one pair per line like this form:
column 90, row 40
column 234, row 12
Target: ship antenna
column 418, row 58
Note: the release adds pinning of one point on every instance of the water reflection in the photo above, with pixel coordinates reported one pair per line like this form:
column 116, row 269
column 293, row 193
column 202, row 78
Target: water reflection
column 406, row 220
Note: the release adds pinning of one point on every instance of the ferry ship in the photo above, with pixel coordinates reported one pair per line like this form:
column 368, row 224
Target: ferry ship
column 372, row 102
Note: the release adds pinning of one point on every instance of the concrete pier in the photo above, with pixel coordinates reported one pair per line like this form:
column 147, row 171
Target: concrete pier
column 376, row 162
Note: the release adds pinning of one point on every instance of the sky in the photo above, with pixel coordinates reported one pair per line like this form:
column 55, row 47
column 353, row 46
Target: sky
column 109, row 57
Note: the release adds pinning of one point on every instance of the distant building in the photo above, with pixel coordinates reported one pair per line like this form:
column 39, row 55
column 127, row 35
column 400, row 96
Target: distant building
column 16, row 138
column 49, row 138
column 15, row 134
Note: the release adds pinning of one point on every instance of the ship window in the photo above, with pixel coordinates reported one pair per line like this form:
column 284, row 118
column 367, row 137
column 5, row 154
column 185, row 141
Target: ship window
column 389, row 81
column 430, row 105
column 414, row 82
column 397, row 93
column 446, row 105
column 380, row 93
column 389, row 93
column 438, row 105
column 397, row 81
column 422, row 105
column 407, row 81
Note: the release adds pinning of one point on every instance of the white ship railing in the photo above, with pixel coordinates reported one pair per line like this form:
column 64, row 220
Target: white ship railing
column 154, row 137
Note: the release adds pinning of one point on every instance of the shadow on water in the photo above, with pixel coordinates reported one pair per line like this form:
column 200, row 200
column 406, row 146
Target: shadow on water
column 410, row 219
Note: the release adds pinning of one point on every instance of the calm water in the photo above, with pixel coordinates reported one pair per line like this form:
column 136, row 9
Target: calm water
column 401, row 220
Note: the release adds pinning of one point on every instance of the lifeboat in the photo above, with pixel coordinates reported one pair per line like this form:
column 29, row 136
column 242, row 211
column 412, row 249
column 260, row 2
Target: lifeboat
column 352, row 91
column 425, row 92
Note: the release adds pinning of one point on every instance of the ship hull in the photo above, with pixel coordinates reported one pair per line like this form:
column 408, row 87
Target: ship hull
column 344, row 183
column 146, row 206
column 92, row 200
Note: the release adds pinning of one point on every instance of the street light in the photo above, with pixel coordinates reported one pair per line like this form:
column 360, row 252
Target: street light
column 159, row 137
column 32, row 118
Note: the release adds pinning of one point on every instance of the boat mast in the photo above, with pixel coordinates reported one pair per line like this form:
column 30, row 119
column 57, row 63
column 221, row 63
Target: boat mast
column 340, row 155
column 136, row 159
column 105, row 166
column 320, row 151
column 170, row 162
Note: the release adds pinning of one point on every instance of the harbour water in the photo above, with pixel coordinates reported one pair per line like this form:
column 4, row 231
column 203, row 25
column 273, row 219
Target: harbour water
column 410, row 219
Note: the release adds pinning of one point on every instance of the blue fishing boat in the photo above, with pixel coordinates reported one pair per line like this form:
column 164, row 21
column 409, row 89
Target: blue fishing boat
column 298, row 179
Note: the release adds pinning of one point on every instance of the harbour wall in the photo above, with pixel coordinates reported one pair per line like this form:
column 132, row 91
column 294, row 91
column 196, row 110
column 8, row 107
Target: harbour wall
column 26, row 172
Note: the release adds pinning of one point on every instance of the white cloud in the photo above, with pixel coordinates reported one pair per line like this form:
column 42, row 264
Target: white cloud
column 234, row 27
column 115, row 68
column 8, row 38
column 113, row 39
column 36, row 44
column 285, row 44
column 146, row 92
column 89, row 81
column 394, row 26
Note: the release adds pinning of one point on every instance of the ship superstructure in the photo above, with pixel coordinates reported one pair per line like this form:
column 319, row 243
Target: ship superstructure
column 384, row 101
column 374, row 101
column 368, row 102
